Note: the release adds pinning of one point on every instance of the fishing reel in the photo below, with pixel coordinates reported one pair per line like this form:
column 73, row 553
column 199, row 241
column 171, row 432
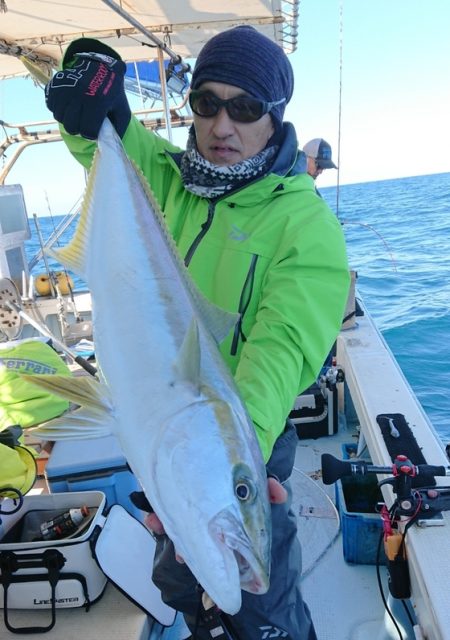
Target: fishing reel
column 412, row 504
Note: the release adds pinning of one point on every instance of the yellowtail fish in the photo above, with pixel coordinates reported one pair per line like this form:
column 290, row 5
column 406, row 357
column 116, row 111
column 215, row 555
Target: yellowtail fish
column 164, row 390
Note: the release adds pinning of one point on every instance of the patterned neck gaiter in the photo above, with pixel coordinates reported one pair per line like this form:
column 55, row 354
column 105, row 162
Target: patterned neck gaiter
column 211, row 181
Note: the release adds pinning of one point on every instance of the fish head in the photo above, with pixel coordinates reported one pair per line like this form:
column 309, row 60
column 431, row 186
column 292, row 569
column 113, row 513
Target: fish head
column 240, row 529
column 243, row 531
column 210, row 473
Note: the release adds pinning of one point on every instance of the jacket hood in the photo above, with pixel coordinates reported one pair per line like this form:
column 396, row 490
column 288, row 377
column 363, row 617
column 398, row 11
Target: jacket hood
column 290, row 159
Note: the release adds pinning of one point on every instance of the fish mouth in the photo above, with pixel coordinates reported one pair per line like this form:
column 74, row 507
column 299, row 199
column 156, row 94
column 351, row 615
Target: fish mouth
column 252, row 560
column 251, row 579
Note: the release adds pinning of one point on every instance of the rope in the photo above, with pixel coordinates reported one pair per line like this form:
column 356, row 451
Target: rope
column 16, row 51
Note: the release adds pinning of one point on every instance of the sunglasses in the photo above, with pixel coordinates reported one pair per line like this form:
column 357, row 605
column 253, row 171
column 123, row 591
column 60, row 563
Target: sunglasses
column 240, row 108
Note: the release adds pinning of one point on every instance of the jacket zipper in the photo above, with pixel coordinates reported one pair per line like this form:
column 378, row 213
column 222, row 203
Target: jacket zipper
column 203, row 231
column 244, row 301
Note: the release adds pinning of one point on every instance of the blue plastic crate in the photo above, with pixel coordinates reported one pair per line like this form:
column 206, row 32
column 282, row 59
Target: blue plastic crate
column 93, row 464
column 356, row 499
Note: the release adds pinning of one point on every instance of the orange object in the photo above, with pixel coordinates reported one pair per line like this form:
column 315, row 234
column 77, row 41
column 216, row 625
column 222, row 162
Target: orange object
column 43, row 286
column 392, row 545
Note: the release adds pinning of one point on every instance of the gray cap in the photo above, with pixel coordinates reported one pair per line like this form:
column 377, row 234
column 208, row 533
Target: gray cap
column 320, row 150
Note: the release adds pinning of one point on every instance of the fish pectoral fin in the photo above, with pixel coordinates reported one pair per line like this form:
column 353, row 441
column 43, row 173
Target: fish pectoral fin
column 82, row 390
column 187, row 366
column 75, row 425
column 94, row 418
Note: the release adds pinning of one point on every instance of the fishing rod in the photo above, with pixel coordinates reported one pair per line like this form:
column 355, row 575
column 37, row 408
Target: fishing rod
column 53, row 280
column 418, row 504
column 402, row 469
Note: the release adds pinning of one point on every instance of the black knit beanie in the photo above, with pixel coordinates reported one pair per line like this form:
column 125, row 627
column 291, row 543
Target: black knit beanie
column 245, row 58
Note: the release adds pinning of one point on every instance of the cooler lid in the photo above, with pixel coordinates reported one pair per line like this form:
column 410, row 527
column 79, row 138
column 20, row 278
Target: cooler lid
column 124, row 550
column 70, row 457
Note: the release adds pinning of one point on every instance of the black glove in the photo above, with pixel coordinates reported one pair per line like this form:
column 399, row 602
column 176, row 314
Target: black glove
column 82, row 96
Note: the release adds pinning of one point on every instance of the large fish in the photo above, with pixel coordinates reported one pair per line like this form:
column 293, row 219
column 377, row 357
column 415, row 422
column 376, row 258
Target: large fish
column 164, row 389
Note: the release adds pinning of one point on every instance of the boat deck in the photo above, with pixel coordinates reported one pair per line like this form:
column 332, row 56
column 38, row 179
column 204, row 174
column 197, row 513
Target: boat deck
column 350, row 588
column 351, row 607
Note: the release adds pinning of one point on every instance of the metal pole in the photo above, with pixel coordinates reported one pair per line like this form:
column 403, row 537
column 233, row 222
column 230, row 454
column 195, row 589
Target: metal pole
column 129, row 18
column 165, row 99
column 44, row 257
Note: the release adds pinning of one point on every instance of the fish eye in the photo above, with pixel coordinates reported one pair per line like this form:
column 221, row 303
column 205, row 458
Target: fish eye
column 243, row 491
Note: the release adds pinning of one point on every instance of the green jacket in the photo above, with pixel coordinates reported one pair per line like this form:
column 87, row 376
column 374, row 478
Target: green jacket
column 272, row 251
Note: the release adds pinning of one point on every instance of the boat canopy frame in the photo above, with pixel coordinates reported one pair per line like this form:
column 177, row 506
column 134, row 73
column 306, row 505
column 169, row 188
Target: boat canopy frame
column 35, row 33
column 33, row 36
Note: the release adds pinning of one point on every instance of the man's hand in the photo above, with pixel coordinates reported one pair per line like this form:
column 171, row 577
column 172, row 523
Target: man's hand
column 82, row 96
column 153, row 523
column 277, row 493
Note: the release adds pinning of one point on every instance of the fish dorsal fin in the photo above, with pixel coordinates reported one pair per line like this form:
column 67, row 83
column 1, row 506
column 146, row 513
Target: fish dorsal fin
column 187, row 365
column 218, row 321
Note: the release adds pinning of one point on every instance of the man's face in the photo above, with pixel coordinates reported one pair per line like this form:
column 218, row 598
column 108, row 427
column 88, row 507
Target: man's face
column 224, row 141
column 313, row 168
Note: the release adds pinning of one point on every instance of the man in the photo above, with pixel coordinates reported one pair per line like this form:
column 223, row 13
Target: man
column 318, row 154
column 258, row 241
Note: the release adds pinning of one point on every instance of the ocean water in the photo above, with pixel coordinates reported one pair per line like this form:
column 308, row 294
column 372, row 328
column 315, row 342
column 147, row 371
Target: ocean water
column 398, row 240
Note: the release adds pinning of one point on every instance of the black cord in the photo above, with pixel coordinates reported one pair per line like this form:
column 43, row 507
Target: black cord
column 18, row 500
column 380, row 586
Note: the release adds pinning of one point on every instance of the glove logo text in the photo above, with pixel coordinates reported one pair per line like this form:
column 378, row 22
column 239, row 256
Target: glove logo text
column 99, row 79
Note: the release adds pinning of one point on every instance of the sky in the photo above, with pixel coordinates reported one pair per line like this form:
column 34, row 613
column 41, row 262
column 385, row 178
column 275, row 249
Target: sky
column 381, row 68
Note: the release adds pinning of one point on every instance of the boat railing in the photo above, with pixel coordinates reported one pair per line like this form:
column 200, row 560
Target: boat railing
column 289, row 11
column 22, row 135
